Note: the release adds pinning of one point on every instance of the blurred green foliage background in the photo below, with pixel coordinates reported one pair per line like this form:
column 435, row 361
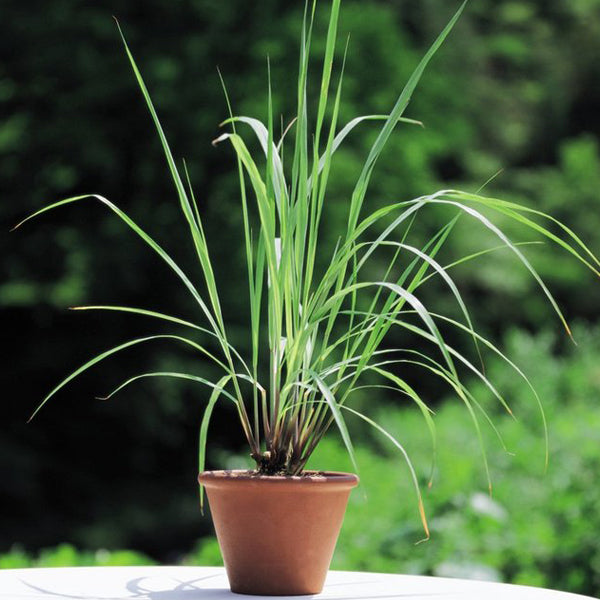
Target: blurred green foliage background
column 516, row 87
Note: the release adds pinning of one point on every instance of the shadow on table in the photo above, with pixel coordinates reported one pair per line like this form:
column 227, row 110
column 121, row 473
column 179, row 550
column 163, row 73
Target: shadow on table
column 188, row 590
column 183, row 590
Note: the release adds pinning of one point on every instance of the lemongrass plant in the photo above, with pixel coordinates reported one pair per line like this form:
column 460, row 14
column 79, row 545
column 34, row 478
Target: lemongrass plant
column 324, row 327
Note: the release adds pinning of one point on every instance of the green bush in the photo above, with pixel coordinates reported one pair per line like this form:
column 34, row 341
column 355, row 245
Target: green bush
column 66, row 555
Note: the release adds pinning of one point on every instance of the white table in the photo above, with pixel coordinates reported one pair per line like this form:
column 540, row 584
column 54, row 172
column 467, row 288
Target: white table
column 210, row 583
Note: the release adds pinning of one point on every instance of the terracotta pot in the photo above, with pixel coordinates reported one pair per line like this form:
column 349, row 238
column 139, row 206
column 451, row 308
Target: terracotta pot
column 277, row 533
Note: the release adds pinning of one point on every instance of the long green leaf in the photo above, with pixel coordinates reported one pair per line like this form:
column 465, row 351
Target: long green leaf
column 411, row 469
column 141, row 233
column 399, row 108
column 106, row 354
column 214, row 397
column 334, row 407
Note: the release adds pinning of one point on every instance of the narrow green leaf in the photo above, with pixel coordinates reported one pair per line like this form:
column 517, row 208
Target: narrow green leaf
column 107, row 353
column 411, row 469
column 214, row 397
column 337, row 416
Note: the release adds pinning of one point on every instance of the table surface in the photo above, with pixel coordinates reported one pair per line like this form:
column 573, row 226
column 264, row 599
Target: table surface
column 210, row 583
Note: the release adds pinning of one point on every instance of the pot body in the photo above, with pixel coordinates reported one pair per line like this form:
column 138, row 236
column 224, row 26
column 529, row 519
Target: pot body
column 277, row 533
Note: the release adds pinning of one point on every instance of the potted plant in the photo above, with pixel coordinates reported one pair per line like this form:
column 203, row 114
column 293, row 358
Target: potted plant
column 319, row 328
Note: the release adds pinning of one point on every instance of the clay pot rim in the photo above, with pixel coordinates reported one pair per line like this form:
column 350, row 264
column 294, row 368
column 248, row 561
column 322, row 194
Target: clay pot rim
column 308, row 478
